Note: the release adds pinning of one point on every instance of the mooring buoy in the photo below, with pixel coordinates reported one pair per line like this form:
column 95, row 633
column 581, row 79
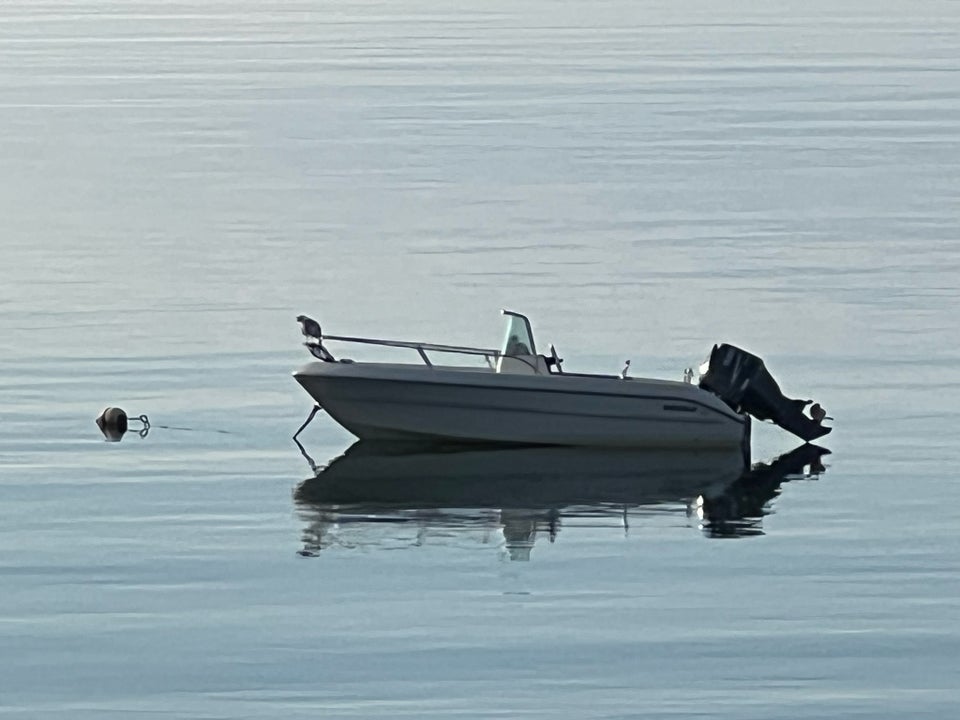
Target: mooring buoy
column 114, row 422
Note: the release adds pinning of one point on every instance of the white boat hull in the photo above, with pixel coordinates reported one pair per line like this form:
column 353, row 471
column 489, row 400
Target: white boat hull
column 377, row 401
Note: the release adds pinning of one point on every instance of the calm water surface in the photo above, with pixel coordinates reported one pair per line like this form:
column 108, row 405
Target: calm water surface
column 179, row 180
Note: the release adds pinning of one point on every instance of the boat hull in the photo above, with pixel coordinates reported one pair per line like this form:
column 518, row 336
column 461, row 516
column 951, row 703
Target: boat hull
column 410, row 403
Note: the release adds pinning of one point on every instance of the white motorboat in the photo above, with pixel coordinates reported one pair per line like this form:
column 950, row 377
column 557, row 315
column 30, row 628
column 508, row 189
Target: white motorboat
column 524, row 397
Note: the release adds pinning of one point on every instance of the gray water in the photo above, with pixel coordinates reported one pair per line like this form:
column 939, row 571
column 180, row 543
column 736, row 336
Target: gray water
column 179, row 180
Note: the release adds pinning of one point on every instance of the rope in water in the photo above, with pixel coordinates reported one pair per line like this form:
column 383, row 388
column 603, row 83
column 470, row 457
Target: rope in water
column 147, row 427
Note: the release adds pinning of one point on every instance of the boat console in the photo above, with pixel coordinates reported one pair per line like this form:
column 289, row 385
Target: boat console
column 519, row 353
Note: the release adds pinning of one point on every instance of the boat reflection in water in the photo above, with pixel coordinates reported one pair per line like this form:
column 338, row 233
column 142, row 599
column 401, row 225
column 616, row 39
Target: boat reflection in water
column 377, row 495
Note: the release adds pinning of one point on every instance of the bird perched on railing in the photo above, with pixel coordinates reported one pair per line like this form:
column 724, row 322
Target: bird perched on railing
column 310, row 327
column 314, row 335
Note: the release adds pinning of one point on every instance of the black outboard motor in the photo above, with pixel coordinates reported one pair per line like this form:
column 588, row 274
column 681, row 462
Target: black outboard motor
column 742, row 381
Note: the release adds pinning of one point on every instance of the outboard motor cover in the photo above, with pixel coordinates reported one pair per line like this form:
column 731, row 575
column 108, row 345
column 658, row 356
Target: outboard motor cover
column 742, row 381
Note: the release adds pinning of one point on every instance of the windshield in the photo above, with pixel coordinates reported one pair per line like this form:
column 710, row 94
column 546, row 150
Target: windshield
column 519, row 338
